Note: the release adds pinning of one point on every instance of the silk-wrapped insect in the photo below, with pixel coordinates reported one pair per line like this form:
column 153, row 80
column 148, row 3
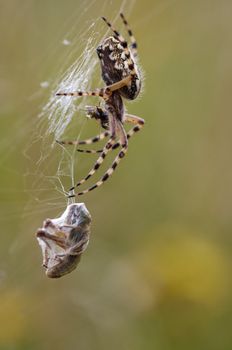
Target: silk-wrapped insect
column 64, row 239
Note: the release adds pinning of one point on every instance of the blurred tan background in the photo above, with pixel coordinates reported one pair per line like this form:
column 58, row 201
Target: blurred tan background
column 157, row 273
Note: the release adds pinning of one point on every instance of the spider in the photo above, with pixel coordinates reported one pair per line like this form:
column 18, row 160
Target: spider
column 122, row 78
column 64, row 239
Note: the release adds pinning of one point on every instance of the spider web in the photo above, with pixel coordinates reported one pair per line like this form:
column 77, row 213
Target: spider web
column 53, row 169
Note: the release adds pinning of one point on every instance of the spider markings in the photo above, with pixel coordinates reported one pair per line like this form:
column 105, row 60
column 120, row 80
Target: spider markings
column 117, row 62
column 122, row 78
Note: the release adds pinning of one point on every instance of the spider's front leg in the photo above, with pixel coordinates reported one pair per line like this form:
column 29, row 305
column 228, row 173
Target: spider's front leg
column 105, row 93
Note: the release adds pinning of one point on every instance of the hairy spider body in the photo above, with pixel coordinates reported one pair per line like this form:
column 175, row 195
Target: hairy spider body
column 122, row 78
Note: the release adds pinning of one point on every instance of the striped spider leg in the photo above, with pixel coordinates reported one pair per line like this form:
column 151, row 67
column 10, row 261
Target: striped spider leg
column 122, row 78
column 133, row 45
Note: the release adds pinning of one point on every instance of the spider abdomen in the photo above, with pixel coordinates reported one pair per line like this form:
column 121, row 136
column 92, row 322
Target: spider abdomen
column 117, row 63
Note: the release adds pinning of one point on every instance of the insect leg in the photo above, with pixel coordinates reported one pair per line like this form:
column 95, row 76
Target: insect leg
column 42, row 234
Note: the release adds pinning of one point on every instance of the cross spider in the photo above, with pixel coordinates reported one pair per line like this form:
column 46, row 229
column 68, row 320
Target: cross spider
column 123, row 80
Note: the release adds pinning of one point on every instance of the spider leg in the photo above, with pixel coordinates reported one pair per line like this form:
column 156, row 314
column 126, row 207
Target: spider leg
column 119, row 84
column 103, row 92
column 133, row 119
column 89, row 141
column 90, row 151
column 107, row 174
column 116, row 33
column 97, row 165
column 122, row 134
column 132, row 38
column 100, row 92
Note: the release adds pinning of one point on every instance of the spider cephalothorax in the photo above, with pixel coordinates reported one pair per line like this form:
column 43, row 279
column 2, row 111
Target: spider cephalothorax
column 123, row 80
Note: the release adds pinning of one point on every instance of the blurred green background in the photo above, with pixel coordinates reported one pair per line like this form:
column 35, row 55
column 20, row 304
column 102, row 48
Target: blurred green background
column 157, row 273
